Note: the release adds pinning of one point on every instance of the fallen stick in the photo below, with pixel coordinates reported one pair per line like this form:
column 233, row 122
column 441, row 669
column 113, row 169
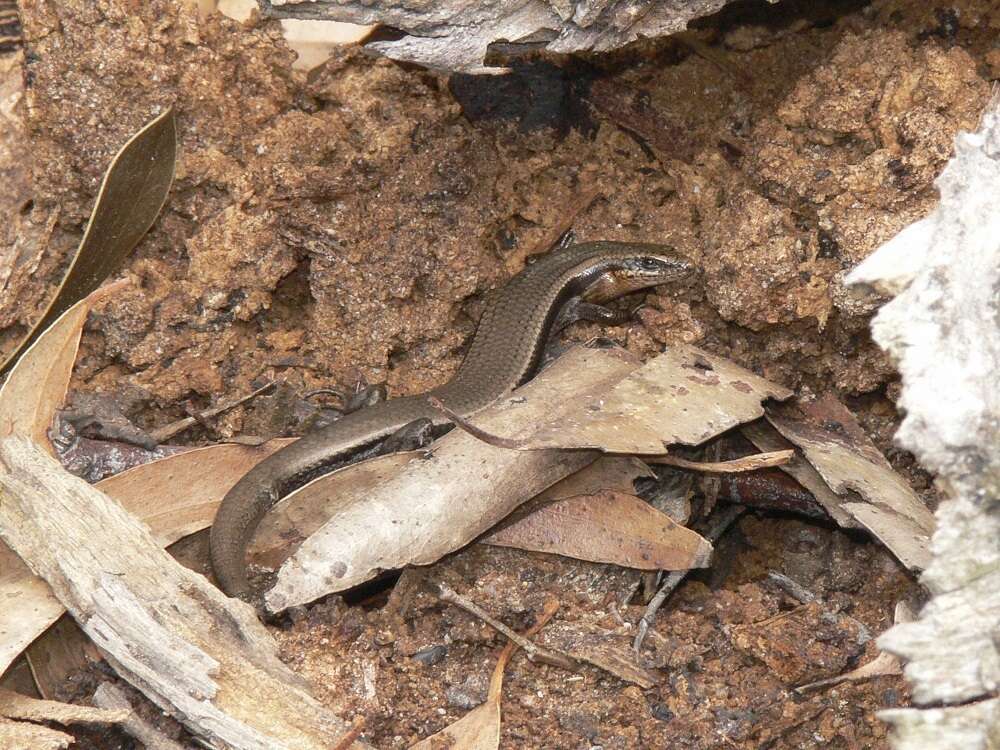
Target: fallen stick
column 198, row 655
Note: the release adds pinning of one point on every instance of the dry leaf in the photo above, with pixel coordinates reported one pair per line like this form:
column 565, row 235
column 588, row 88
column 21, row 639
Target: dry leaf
column 684, row 395
column 133, row 192
column 301, row 513
column 606, row 473
column 37, row 386
column 179, row 495
column 609, row 527
column 836, row 445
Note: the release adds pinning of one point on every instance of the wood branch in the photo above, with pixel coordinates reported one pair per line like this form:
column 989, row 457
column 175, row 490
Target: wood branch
column 201, row 657
column 942, row 329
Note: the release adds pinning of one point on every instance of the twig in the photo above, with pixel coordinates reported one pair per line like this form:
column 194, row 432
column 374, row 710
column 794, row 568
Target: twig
column 160, row 434
column 352, row 734
column 463, row 424
column 718, row 523
column 533, row 651
column 792, row 588
column 733, row 466
column 496, row 683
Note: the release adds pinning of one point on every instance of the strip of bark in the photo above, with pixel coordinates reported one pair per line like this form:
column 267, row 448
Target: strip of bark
column 200, row 656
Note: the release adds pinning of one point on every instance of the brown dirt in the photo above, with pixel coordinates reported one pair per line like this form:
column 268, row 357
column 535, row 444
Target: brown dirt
column 346, row 227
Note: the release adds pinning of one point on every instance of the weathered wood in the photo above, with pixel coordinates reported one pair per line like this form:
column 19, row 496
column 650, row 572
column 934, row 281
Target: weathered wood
column 200, row 656
column 23, row 735
column 943, row 328
column 455, row 34
column 16, row 706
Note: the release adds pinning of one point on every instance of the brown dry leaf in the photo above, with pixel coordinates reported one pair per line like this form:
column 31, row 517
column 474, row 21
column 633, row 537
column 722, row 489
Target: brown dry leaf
column 608, row 527
column 134, row 190
column 480, row 728
column 37, row 385
column 179, row 495
column 684, row 395
column 422, row 513
column 59, row 652
column 836, row 445
column 606, row 473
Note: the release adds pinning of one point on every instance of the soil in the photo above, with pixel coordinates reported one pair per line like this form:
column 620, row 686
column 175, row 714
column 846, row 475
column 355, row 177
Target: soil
column 345, row 225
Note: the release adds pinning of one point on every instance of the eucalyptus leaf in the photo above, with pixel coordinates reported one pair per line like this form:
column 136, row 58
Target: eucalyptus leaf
column 133, row 192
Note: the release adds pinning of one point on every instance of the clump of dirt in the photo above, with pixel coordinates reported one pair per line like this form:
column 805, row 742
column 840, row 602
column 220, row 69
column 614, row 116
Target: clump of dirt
column 346, row 226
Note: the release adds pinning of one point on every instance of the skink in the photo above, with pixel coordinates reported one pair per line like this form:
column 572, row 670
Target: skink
column 566, row 285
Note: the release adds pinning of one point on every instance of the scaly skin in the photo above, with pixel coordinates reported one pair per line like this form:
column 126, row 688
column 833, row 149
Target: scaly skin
column 504, row 353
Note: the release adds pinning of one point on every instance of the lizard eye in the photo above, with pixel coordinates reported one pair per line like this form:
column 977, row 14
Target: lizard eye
column 649, row 264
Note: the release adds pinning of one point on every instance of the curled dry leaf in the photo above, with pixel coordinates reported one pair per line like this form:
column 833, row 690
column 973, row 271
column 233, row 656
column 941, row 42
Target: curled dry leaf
column 134, row 190
column 850, row 464
column 37, row 386
column 422, row 512
column 610, row 527
column 301, row 513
